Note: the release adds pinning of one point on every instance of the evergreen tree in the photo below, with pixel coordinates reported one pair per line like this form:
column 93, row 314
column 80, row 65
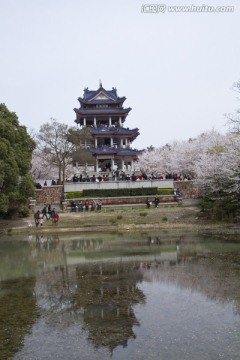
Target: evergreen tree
column 16, row 147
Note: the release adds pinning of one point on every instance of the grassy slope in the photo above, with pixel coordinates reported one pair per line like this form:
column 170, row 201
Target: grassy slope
column 171, row 217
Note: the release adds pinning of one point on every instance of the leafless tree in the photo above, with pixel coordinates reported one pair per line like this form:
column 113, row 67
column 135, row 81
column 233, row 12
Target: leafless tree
column 55, row 147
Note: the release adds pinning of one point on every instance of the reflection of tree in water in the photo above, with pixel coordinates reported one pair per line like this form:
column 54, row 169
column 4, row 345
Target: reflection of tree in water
column 18, row 310
column 18, row 313
column 216, row 275
column 104, row 293
column 107, row 293
column 47, row 249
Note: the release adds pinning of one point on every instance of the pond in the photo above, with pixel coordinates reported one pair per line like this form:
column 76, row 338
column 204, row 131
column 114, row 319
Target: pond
column 119, row 296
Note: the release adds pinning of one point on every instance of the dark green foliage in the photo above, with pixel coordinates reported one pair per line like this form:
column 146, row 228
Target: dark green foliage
column 23, row 212
column 4, row 203
column 119, row 192
column 165, row 191
column 16, row 148
column 74, row 195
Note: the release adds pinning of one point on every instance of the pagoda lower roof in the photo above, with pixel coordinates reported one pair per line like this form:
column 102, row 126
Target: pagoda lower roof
column 115, row 131
column 102, row 111
column 107, row 150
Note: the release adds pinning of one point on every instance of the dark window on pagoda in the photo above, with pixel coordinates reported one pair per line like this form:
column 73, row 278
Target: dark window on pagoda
column 107, row 142
column 101, row 105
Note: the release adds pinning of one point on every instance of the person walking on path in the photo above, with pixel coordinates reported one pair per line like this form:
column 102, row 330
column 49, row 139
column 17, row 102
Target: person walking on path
column 36, row 218
column 55, row 219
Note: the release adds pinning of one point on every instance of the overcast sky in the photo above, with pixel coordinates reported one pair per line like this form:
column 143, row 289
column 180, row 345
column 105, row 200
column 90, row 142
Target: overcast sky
column 176, row 69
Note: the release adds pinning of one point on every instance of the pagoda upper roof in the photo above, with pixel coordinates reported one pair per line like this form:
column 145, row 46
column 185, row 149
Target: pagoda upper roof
column 111, row 130
column 101, row 96
column 107, row 150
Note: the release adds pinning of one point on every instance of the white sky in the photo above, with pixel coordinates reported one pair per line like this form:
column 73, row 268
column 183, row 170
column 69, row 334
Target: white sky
column 176, row 69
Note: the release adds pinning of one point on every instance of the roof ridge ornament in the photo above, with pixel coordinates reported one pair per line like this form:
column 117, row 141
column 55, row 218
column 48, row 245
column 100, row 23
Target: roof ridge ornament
column 100, row 83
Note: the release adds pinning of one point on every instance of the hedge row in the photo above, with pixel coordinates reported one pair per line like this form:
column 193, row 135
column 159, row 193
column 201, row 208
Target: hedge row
column 119, row 192
column 74, row 195
column 165, row 191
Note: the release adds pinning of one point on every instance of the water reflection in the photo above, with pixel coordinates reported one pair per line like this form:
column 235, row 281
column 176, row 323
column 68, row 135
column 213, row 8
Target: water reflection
column 106, row 295
column 18, row 311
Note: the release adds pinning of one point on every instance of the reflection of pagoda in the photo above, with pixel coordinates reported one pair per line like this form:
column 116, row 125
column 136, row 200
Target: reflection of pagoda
column 107, row 295
column 102, row 111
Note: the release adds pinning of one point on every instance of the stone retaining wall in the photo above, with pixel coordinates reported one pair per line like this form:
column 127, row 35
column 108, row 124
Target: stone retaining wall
column 54, row 194
column 49, row 195
column 187, row 189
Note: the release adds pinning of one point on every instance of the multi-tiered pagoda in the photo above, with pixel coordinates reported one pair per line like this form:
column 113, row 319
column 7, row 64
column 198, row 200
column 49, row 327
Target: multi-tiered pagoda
column 103, row 113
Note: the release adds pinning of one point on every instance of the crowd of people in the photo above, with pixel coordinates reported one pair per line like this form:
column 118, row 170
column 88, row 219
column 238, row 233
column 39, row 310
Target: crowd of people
column 47, row 183
column 123, row 176
column 117, row 175
column 87, row 205
column 47, row 213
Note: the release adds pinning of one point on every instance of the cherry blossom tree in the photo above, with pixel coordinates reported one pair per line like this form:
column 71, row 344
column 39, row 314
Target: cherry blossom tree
column 213, row 162
column 217, row 173
column 234, row 118
column 42, row 167
column 179, row 157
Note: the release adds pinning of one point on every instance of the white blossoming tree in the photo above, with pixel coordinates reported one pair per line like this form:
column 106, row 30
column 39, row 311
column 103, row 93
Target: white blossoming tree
column 213, row 162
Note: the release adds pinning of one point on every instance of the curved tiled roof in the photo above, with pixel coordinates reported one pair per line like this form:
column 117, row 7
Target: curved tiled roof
column 103, row 130
column 102, row 101
column 107, row 150
column 102, row 111
column 89, row 95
